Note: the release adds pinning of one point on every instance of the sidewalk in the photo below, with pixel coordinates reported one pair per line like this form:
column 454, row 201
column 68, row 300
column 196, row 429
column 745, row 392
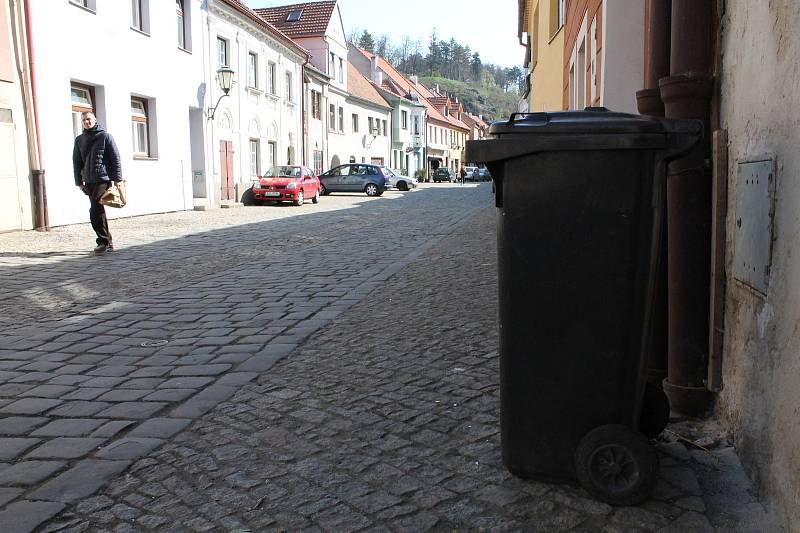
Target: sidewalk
column 386, row 419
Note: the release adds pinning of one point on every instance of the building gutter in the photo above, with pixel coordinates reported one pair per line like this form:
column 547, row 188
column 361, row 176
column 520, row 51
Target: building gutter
column 28, row 77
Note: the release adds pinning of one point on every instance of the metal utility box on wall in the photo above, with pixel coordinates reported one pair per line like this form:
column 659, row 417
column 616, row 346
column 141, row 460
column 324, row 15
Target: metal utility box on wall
column 755, row 209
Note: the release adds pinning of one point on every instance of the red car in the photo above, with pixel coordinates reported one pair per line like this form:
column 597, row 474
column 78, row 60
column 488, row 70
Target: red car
column 289, row 183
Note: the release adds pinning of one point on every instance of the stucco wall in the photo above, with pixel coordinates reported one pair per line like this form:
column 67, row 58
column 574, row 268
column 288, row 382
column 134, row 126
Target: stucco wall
column 546, row 77
column 760, row 401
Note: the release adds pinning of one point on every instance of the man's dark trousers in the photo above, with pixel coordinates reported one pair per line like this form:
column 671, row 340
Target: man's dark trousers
column 97, row 212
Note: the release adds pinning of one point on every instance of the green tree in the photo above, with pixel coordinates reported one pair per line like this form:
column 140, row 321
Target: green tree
column 366, row 42
column 477, row 66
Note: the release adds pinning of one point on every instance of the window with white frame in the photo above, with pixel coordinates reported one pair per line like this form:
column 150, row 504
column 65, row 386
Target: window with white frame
column 140, row 15
column 415, row 122
column 341, row 70
column 289, row 92
column 271, row 81
column 182, row 24
column 318, row 162
column 272, row 152
column 355, row 122
column 139, row 127
column 91, row 5
column 82, row 99
column 255, row 157
column 222, row 52
column 341, row 120
column 252, row 70
column 332, row 66
column 316, row 104
column 383, row 123
column 404, row 119
column 332, row 117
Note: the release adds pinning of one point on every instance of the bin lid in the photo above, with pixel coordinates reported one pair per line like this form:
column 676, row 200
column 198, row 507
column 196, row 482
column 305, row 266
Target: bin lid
column 592, row 120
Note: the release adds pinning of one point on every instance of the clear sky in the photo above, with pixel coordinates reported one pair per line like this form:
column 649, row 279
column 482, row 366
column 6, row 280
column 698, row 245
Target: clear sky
column 486, row 26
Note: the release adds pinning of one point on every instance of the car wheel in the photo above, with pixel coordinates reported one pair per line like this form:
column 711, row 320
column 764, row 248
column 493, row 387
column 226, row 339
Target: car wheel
column 316, row 197
column 299, row 200
column 248, row 198
column 403, row 186
column 324, row 190
column 371, row 189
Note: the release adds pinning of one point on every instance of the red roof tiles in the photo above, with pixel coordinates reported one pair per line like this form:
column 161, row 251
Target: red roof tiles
column 269, row 28
column 361, row 87
column 313, row 20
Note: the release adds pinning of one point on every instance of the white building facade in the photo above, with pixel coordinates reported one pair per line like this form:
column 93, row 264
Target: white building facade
column 16, row 120
column 153, row 108
column 260, row 122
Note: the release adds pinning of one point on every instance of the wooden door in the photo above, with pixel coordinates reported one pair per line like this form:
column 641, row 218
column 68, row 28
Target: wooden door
column 226, row 170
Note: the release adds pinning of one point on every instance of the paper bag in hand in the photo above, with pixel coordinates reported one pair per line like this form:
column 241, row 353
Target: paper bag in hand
column 115, row 195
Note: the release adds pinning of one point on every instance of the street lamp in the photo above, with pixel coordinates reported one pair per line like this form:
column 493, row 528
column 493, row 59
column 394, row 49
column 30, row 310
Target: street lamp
column 225, row 80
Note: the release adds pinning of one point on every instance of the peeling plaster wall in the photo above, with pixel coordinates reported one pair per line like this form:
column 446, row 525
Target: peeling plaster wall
column 760, row 401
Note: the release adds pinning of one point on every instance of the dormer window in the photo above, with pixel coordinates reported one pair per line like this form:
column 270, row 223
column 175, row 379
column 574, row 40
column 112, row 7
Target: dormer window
column 294, row 16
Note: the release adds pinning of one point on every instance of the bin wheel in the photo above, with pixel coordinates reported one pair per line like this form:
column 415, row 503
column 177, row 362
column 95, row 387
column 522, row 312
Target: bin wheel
column 616, row 464
column 655, row 411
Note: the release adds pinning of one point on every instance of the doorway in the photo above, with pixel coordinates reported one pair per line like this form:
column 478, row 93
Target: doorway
column 226, row 170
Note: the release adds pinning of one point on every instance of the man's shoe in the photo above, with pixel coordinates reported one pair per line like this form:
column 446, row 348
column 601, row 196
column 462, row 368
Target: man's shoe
column 100, row 249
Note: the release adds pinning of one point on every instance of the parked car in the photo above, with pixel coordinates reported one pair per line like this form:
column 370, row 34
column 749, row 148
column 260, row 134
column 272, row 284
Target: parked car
column 400, row 182
column 443, row 174
column 290, row 183
column 472, row 173
column 483, row 174
column 370, row 179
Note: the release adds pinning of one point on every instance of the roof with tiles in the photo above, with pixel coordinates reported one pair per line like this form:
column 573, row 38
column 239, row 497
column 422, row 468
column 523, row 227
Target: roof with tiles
column 313, row 20
column 407, row 87
column 361, row 87
column 269, row 28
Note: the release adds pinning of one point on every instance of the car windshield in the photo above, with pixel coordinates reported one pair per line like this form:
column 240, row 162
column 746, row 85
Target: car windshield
column 283, row 172
column 389, row 172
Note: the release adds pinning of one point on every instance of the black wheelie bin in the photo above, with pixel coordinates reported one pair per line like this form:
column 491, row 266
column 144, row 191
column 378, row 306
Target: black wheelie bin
column 581, row 201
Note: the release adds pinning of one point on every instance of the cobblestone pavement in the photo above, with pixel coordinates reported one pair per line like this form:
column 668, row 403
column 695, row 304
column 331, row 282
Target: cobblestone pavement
column 371, row 336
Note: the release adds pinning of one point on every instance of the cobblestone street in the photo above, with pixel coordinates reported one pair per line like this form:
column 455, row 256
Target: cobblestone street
column 253, row 370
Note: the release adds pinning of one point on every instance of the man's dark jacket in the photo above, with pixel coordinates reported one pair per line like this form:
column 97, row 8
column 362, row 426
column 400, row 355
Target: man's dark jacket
column 95, row 158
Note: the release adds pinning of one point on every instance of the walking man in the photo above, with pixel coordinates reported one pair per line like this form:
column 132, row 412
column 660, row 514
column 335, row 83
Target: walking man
column 95, row 162
column 462, row 174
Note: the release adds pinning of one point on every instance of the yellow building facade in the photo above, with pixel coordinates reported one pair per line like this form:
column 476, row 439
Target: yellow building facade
column 543, row 23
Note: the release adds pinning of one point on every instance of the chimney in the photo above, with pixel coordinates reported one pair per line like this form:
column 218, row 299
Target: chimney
column 414, row 79
column 378, row 78
column 373, row 66
column 437, row 90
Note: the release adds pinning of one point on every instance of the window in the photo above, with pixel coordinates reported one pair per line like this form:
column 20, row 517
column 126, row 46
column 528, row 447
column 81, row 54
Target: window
column 332, row 118
column 332, row 66
column 415, row 122
column 317, row 162
column 404, row 119
column 341, row 70
column 255, row 157
column 82, row 98
column 222, row 52
column 181, row 13
column 252, row 70
column 139, row 127
column 139, row 15
column 341, row 119
column 316, row 104
column 272, row 151
column 88, row 4
column 294, row 15
column 383, row 123
column 273, row 89
column 355, row 123
column 556, row 17
column 289, row 94
column 371, row 124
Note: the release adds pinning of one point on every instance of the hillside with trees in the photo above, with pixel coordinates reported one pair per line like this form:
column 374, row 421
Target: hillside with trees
column 484, row 88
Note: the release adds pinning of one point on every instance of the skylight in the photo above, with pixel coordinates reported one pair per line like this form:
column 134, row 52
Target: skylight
column 294, row 16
